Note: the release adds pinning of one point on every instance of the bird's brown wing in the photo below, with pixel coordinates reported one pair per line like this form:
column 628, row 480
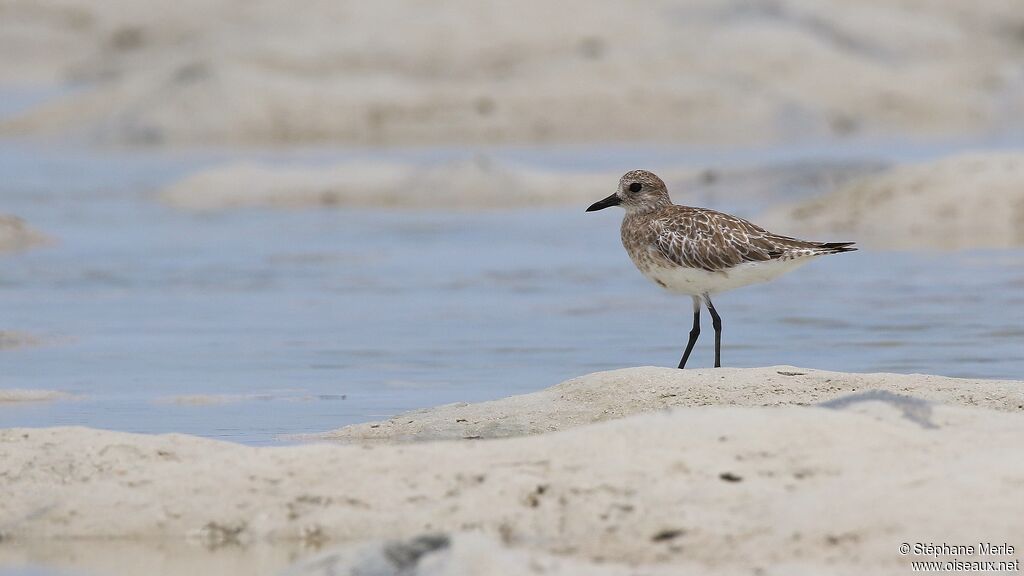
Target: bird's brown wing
column 713, row 241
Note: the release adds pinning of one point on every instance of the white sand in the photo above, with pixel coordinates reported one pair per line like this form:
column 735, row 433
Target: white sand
column 966, row 201
column 475, row 183
column 712, row 489
column 152, row 558
column 619, row 393
column 11, row 395
column 703, row 71
column 15, row 235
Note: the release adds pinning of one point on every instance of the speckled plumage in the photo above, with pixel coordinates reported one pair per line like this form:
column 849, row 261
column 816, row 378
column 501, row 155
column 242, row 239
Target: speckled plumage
column 659, row 235
column 700, row 252
column 706, row 239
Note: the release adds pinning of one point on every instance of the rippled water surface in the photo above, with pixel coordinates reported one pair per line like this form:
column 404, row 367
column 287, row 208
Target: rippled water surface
column 301, row 321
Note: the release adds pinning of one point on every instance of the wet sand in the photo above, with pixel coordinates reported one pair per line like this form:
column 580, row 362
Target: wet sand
column 802, row 474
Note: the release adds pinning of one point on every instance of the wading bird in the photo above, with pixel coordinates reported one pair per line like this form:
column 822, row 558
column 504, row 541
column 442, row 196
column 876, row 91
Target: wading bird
column 700, row 252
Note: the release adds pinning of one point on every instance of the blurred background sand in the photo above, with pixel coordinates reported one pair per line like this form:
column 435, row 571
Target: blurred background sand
column 723, row 72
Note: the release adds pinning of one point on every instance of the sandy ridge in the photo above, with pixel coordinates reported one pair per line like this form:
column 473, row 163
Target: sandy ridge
column 970, row 200
column 12, row 395
column 620, row 393
column 474, row 183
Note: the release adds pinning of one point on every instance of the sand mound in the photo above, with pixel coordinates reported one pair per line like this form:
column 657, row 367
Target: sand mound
column 483, row 182
column 721, row 489
column 968, row 201
column 704, row 71
column 16, row 235
column 10, row 395
column 475, row 183
column 11, row 339
column 619, row 393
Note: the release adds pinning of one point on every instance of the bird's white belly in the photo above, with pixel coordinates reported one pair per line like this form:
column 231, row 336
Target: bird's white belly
column 694, row 282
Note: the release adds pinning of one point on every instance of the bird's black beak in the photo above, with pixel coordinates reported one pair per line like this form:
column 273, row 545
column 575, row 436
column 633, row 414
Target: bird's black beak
column 612, row 200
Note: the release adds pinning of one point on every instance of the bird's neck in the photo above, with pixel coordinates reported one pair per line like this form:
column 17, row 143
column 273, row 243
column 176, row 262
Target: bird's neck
column 647, row 207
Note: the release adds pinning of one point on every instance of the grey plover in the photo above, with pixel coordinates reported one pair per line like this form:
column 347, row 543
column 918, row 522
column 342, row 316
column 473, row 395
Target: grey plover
column 699, row 252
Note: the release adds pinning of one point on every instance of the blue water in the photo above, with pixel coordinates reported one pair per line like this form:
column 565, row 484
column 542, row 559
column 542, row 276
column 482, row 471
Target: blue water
column 308, row 320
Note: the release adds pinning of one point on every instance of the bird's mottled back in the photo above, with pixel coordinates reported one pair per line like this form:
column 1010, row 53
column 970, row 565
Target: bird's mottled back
column 709, row 240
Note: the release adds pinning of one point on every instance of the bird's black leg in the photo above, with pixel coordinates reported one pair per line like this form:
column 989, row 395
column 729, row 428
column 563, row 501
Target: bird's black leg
column 694, row 332
column 716, row 321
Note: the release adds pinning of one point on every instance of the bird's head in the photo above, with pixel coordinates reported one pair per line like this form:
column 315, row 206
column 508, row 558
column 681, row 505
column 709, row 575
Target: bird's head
column 639, row 190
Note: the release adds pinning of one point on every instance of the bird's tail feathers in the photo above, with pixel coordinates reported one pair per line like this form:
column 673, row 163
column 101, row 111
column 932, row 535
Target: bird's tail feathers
column 835, row 247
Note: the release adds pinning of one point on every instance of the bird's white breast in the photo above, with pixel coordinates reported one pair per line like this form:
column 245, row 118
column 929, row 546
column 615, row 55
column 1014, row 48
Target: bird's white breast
column 694, row 281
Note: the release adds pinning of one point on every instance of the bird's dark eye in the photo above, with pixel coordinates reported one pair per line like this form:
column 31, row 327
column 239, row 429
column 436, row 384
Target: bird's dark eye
column 635, row 187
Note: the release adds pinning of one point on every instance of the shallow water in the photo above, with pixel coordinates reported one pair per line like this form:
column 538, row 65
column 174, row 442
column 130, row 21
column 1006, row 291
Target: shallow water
column 303, row 321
